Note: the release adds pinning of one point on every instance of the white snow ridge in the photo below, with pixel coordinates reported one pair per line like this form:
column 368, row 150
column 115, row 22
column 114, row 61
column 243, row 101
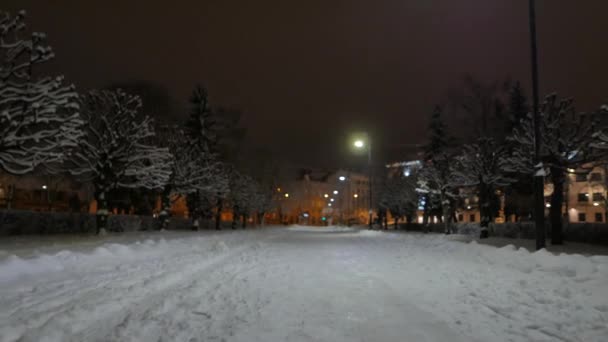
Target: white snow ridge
column 300, row 284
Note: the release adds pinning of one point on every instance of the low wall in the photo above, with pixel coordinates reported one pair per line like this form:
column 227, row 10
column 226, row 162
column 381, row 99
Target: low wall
column 21, row 222
column 592, row 233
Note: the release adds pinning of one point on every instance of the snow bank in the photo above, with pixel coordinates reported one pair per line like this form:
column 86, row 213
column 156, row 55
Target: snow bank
column 127, row 251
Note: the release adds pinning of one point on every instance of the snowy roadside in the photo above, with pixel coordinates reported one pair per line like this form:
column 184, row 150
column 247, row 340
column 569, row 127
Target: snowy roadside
column 567, row 247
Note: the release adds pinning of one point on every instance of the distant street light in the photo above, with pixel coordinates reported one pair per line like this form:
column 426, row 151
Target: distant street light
column 286, row 195
column 342, row 178
column 356, row 195
column 326, row 195
column 44, row 187
column 360, row 144
column 331, row 199
column 335, row 192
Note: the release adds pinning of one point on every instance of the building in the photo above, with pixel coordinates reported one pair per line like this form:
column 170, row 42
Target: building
column 321, row 197
column 585, row 195
column 43, row 193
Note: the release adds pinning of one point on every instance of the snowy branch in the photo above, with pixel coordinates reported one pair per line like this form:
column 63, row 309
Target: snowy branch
column 39, row 118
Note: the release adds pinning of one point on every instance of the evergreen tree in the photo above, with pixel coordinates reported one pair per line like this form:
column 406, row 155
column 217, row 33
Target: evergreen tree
column 437, row 157
column 438, row 140
column 518, row 107
column 518, row 196
column 201, row 126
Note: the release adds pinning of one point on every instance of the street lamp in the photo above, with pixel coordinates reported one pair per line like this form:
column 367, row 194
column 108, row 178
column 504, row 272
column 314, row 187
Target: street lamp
column 539, row 212
column 360, row 144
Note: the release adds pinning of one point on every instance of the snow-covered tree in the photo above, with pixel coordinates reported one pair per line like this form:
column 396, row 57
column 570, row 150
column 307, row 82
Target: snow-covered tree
column 117, row 150
column 398, row 195
column 482, row 165
column 437, row 181
column 242, row 196
column 263, row 200
column 567, row 138
column 193, row 172
column 38, row 115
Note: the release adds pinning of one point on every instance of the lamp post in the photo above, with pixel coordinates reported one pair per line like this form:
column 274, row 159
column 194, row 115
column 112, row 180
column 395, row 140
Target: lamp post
column 360, row 144
column 539, row 210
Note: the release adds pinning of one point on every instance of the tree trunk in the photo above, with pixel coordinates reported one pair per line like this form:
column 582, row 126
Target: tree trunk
column 446, row 214
column 10, row 196
column 218, row 214
column 244, row 221
column 165, row 212
column 425, row 213
column 396, row 222
column 235, row 216
column 102, row 212
column 555, row 212
column 484, row 209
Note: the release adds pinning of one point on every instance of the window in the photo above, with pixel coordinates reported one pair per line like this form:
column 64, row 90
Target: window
column 460, row 217
column 598, row 196
column 581, row 177
column 582, row 217
column 472, row 218
column 596, row 177
column 599, row 217
column 583, row 197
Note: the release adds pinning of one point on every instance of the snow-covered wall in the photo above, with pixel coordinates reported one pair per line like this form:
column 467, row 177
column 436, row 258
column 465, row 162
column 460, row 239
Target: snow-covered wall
column 21, row 222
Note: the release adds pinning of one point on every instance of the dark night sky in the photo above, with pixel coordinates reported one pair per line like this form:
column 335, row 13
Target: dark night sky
column 307, row 73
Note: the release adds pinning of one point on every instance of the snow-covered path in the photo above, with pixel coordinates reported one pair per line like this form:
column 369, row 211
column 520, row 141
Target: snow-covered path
column 302, row 284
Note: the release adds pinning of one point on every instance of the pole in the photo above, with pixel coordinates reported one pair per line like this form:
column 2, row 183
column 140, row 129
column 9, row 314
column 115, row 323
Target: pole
column 539, row 210
column 371, row 177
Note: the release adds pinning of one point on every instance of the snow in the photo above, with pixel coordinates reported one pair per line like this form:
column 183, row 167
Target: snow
column 298, row 284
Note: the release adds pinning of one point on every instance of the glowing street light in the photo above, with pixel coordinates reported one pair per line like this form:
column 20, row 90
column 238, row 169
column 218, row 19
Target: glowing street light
column 44, row 187
column 342, row 178
column 356, row 195
column 329, row 204
column 366, row 143
column 335, row 192
column 326, row 195
column 286, row 195
column 331, row 199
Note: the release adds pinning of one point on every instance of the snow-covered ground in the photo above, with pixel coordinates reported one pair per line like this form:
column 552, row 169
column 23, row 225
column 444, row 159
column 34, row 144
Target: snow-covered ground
column 297, row 284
